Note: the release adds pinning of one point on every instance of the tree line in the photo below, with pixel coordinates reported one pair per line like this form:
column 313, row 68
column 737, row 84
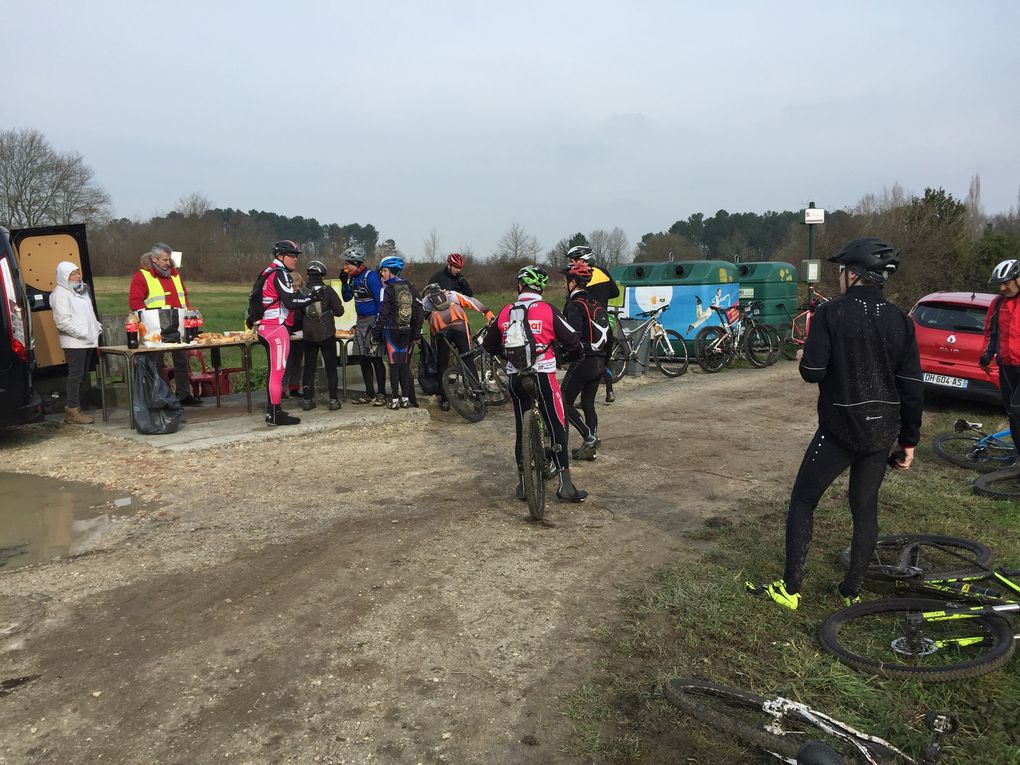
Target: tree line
column 947, row 243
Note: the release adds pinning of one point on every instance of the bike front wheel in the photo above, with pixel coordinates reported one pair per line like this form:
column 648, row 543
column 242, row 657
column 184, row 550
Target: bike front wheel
column 533, row 459
column 983, row 454
column 893, row 638
column 463, row 394
column 732, row 711
column 758, row 346
column 618, row 361
column 713, row 348
column 670, row 353
column 495, row 382
column 776, row 341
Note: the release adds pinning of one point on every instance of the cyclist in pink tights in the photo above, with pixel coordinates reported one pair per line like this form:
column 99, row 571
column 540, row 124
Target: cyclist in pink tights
column 279, row 299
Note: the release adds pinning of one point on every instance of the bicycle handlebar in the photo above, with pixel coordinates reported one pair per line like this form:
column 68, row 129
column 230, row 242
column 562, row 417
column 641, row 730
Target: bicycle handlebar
column 654, row 311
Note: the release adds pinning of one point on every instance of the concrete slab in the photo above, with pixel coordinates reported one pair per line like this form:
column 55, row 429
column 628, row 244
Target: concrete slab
column 207, row 427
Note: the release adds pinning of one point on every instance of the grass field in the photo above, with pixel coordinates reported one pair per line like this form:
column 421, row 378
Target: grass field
column 696, row 620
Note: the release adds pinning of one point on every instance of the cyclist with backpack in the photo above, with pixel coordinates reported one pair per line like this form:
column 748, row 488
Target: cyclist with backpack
column 527, row 329
column 863, row 355
column 363, row 285
column 319, row 331
column 444, row 309
column 399, row 326
column 279, row 301
column 591, row 320
column 602, row 288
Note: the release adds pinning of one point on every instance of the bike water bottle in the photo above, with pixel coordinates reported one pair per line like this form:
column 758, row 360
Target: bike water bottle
column 131, row 330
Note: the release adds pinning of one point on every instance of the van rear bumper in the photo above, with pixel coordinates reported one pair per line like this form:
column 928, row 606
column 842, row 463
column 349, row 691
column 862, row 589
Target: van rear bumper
column 22, row 415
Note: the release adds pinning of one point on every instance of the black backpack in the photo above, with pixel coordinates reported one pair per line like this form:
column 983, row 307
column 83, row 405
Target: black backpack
column 598, row 325
column 403, row 305
column 256, row 308
column 318, row 322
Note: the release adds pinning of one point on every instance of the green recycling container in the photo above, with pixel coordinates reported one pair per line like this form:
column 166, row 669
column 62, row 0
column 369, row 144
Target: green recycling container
column 774, row 285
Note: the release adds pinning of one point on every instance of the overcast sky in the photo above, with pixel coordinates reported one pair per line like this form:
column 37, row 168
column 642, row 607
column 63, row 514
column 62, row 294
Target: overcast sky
column 560, row 116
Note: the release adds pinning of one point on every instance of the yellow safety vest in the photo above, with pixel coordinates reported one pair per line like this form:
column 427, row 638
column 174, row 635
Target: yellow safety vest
column 157, row 297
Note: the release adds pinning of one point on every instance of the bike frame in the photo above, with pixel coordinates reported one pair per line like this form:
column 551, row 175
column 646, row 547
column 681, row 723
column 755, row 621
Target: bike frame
column 804, row 315
column 640, row 332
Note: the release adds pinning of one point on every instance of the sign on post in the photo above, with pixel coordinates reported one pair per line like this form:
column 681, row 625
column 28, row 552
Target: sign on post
column 814, row 215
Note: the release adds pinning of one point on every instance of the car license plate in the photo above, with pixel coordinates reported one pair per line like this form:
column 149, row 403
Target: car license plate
column 949, row 382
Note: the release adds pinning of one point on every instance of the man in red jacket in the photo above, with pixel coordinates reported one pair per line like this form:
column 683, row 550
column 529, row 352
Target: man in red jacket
column 1002, row 336
column 157, row 284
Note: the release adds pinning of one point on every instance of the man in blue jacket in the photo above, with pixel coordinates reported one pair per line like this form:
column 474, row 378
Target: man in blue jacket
column 363, row 285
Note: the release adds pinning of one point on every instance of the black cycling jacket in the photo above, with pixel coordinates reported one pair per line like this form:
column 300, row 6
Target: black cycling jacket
column 862, row 352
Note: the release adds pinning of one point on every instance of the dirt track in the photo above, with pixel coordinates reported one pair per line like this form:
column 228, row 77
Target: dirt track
column 392, row 604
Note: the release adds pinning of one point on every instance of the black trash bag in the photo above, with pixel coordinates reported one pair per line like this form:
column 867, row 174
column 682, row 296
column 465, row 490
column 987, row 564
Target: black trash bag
column 156, row 408
column 428, row 368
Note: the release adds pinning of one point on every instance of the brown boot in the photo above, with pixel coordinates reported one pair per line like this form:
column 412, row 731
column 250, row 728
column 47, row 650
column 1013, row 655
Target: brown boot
column 75, row 416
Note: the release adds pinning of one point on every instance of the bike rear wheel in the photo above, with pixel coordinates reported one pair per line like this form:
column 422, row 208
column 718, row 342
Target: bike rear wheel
column 618, row 361
column 757, row 346
column 975, row 452
column 931, row 555
column 791, row 345
column 670, row 354
column 732, row 711
column 890, row 638
column 713, row 348
column 776, row 340
column 463, row 394
column 533, row 459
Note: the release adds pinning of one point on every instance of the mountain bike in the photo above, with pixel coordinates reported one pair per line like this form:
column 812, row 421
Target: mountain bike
column 983, row 452
column 787, row 729
column 716, row 346
column 668, row 349
column 536, row 449
column 475, row 380
column 800, row 324
column 924, row 639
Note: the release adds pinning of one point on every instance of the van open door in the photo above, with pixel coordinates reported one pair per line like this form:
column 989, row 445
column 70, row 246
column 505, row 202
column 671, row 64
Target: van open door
column 19, row 403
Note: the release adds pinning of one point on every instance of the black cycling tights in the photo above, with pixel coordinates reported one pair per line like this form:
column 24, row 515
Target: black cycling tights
column 550, row 403
column 824, row 461
column 1009, row 389
column 370, row 364
column 582, row 379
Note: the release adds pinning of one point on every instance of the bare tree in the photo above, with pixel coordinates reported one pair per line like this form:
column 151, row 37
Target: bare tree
column 39, row 186
column 609, row 247
column 196, row 204
column 432, row 247
column 517, row 245
column 975, row 211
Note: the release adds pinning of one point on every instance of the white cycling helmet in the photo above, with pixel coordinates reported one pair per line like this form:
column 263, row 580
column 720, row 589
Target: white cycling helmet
column 1006, row 271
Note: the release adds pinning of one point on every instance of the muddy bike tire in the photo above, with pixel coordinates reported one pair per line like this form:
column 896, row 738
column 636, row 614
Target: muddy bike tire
column 791, row 346
column 463, row 394
column 999, row 484
column 935, row 556
column 713, row 348
column 533, row 460
column 967, row 452
column 670, row 354
column 864, row 636
column 740, row 713
column 757, row 346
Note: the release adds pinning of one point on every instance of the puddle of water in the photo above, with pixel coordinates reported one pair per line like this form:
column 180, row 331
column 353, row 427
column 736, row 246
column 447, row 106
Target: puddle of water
column 45, row 518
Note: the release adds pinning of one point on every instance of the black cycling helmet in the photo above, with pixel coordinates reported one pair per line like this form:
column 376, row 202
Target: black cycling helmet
column 580, row 252
column 286, row 247
column 871, row 259
column 316, row 268
column 1006, row 271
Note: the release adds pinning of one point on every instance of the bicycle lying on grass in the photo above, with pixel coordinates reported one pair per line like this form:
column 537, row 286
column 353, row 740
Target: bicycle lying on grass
column 970, row 447
column 920, row 638
column 668, row 349
column 473, row 381
column 740, row 334
column 793, row 732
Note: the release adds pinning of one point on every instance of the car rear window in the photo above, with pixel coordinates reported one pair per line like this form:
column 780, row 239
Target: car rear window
column 950, row 317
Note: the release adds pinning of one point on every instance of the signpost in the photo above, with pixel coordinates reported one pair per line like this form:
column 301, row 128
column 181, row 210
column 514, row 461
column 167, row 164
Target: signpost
column 812, row 217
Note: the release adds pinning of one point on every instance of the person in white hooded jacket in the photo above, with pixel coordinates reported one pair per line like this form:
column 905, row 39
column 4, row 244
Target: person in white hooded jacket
column 79, row 334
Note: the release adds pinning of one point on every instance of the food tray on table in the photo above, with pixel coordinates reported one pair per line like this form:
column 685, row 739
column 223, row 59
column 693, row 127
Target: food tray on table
column 215, row 338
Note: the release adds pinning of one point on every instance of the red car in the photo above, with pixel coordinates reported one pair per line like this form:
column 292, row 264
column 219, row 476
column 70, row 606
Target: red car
column 951, row 337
